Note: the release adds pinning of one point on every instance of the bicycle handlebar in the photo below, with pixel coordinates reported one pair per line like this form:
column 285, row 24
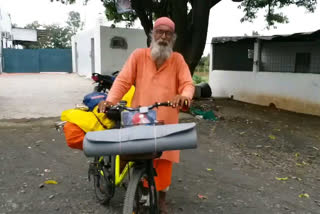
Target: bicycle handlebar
column 143, row 108
column 114, row 112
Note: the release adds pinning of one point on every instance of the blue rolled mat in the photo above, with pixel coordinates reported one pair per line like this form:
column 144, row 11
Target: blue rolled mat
column 140, row 139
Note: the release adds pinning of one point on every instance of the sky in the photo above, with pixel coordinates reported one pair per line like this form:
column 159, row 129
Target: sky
column 24, row 12
column 224, row 18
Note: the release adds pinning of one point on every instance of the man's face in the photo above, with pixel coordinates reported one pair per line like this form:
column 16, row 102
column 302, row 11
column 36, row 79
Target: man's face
column 163, row 35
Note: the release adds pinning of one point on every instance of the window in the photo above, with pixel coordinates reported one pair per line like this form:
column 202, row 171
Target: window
column 118, row 43
column 233, row 56
column 302, row 63
column 250, row 53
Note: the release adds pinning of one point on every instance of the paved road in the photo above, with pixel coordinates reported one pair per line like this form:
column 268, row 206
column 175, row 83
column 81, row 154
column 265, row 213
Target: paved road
column 40, row 95
column 234, row 169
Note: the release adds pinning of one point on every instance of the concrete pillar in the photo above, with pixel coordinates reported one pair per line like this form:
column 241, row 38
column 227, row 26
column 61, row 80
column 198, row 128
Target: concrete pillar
column 257, row 56
column 211, row 57
column 1, row 55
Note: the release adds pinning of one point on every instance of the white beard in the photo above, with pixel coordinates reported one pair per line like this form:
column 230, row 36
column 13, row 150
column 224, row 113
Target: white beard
column 160, row 52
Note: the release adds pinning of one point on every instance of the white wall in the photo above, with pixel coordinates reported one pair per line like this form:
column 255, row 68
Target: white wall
column 1, row 54
column 5, row 26
column 114, row 59
column 5, row 21
column 290, row 91
column 24, row 34
column 106, row 59
column 83, row 40
column 73, row 53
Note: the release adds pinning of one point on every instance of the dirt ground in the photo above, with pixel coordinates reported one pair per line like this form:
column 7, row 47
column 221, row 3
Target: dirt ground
column 252, row 160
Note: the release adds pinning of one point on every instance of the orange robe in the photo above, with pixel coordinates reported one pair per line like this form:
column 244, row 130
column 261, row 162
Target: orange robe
column 155, row 85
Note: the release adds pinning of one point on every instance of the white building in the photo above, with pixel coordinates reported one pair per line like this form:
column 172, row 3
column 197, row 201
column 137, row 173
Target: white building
column 278, row 70
column 22, row 35
column 8, row 34
column 104, row 49
column 5, row 34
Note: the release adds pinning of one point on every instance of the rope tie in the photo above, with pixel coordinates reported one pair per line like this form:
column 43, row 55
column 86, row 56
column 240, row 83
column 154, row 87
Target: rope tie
column 155, row 137
column 120, row 141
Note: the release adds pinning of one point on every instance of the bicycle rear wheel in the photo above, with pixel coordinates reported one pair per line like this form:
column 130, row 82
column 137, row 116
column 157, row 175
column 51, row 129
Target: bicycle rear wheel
column 104, row 185
column 139, row 199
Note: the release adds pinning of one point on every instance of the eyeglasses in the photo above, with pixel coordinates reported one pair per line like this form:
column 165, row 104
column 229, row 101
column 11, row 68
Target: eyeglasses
column 166, row 32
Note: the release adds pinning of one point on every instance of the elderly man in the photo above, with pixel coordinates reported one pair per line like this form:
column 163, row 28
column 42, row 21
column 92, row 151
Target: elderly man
column 159, row 75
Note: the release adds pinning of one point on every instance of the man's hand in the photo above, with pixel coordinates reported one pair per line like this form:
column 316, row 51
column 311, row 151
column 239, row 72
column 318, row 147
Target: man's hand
column 104, row 105
column 181, row 101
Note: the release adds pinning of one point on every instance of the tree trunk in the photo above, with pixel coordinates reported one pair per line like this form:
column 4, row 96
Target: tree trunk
column 196, row 38
column 191, row 28
column 145, row 18
column 178, row 13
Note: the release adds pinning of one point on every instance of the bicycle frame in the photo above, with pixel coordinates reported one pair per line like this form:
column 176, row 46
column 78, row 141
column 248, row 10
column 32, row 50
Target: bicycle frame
column 108, row 170
column 119, row 176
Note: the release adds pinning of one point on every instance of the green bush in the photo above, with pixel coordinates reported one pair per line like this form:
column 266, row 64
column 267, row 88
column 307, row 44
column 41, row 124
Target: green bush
column 196, row 79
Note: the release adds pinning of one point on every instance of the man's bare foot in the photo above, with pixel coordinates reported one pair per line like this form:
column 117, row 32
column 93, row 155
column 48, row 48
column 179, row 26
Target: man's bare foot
column 162, row 203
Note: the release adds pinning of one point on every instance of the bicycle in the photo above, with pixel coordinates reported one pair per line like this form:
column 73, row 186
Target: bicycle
column 105, row 168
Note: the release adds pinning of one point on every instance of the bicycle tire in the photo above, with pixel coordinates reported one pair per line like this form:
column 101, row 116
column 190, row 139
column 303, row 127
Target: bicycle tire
column 104, row 185
column 132, row 203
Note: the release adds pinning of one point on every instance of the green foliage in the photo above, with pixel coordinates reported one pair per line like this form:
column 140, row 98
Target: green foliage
column 196, row 79
column 55, row 36
column 34, row 25
column 199, row 77
column 112, row 14
column 51, row 36
column 74, row 22
column 251, row 8
column 203, row 65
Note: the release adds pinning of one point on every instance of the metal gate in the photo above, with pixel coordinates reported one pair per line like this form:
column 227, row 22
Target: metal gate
column 37, row 60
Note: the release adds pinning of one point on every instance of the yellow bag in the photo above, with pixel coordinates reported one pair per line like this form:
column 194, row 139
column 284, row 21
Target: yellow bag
column 86, row 120
column 93, row 121
column 129, row 95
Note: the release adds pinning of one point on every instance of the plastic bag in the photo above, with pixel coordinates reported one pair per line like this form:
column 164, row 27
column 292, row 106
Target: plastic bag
column 74, row 135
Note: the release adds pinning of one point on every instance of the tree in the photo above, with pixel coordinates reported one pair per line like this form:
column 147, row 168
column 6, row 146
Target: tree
column 49, row 36
column 191, row 18
column 34, row 25
column 55, row 36
column 203, row 65
column 251, row 7
column 74, row 22
column 255, row 33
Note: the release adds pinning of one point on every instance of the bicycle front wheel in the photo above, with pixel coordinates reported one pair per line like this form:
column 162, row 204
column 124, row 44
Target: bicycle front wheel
column 139, row 199
column 104, row 184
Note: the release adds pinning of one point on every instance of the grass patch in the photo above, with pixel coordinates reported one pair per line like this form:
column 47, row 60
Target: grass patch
column 199, row 77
